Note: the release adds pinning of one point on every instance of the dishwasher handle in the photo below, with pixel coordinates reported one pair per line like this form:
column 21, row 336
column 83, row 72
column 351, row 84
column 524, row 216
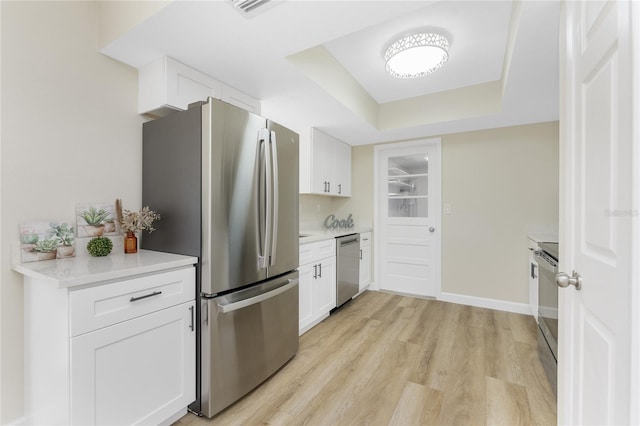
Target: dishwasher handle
column 348, row 242
column 224, row 308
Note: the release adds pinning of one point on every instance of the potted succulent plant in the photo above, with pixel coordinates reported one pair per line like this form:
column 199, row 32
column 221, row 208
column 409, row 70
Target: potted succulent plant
column 94, row 218
column 64, row 234
column 46, row 249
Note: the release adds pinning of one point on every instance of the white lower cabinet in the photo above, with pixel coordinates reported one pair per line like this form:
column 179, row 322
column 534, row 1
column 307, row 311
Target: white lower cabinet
column 324, row 286
column 140, row 371
column 114, row 351
column 305, row 291
column 365, row 260
column 317, row 286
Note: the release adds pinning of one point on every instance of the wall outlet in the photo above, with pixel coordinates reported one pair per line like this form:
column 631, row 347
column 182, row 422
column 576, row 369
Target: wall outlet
column 446, row 208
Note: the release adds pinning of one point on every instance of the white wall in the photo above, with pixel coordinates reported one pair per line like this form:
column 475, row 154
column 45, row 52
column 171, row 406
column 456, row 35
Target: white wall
column 70, row 133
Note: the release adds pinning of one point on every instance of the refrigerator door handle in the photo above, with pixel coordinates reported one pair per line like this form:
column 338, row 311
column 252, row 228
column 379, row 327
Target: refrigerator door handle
column 230, row 307
column 263, row 256
column 269, row 197
column 274, row 199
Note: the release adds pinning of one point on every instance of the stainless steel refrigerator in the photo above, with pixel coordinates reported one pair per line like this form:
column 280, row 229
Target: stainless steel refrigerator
column 225, row 182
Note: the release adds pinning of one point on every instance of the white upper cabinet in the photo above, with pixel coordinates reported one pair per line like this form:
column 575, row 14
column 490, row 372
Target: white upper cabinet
column 325, row 166
column 166, row 84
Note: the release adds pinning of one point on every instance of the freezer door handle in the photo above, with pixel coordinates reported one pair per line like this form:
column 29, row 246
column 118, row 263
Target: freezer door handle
column 230, row 307
column 274, row 199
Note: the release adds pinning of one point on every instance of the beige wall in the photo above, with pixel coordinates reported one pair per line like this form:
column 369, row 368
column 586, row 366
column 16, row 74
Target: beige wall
column 70, row 133
column 500, row 183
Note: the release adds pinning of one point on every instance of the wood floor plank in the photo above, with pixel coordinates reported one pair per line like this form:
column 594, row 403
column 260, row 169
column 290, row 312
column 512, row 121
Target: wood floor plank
column 435, row 361
column 389, row 359
column 542, row 400
column 505, row 363
column 418, row 405
column 345, row 390
column 523, row 328
column 507, row 403
column 464, row 391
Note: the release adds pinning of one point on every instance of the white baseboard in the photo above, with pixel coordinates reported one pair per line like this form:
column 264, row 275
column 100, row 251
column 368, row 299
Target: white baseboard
column 481, row 302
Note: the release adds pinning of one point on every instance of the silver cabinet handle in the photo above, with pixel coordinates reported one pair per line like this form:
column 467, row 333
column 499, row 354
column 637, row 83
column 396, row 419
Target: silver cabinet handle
column 135, row 299
column 315, row 271
column 192, row 326
column 320, row 268
column 360, row 254
column 339, row 188
column 563, row 280
column 230, row 307
column 432, row 229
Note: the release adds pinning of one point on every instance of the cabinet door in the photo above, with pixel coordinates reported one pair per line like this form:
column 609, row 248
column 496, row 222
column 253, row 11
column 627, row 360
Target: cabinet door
column 342, row 170
column 305, row 291
column 136, row 371
column 324, row 289
column 365, row 266
column 240, row 99
column 321, row 163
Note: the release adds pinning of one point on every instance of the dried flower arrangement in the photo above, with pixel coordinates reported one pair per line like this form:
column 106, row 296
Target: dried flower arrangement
column 131, row 221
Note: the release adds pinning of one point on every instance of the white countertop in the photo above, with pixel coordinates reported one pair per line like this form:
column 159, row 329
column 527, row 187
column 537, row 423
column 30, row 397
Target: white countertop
column 313, row 236
column 540, row 237
column 77, row 271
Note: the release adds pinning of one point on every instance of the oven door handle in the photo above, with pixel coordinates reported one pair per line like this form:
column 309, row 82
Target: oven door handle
column 546, row 263
column 224, row 308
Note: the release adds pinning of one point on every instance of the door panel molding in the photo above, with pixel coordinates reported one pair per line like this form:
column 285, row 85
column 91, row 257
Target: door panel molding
column 408, row 231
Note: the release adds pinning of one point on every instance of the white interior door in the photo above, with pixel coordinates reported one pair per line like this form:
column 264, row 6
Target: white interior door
column 598, row 356
column 407, row 217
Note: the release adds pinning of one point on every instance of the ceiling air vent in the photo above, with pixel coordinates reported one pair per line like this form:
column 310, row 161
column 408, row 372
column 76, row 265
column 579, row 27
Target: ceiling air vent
column 250, row 8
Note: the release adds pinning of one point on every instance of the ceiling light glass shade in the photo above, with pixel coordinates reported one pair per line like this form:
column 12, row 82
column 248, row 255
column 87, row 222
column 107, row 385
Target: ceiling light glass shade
column 416, row 55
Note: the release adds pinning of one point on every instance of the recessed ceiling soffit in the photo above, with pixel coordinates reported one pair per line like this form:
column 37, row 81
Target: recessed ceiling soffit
column 321, row 67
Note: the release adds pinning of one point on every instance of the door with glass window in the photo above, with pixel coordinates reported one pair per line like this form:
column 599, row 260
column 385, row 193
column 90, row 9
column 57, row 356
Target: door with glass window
column 408, row 217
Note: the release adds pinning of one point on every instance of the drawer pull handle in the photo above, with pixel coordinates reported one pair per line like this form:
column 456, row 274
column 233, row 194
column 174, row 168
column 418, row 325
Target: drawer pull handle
column 155, row 293
column 192, row 323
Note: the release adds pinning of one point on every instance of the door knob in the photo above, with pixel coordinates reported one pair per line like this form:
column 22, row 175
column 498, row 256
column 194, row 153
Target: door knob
column 563, row 280
column 432, row 229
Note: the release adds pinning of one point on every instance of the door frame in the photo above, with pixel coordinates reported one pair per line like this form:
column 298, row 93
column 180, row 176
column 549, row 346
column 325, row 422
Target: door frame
column 377, row 221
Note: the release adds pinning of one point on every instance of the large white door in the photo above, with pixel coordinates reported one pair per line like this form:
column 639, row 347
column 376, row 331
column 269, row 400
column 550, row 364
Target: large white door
column 598, row 341
column 407, row 217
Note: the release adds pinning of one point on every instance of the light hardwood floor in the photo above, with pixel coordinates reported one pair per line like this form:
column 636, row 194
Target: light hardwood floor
column 385, row 359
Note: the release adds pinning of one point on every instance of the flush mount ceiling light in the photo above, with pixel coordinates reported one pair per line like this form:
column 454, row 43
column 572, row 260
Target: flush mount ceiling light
column 416, row 55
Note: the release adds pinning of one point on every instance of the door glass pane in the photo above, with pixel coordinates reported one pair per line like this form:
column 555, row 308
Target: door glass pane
column 408, row 188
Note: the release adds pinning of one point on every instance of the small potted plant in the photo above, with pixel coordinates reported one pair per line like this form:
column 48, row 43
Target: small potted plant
column 99, row 246
column 46, row 249
column 64, row 234
column 132, row 222
column 94, row 218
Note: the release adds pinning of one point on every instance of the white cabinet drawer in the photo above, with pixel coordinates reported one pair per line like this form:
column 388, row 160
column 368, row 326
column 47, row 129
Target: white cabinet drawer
column 313, row 252
column 101, row 306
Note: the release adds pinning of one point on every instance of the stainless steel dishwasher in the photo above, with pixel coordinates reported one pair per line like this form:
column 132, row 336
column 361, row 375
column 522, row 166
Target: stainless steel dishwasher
column 348, row 267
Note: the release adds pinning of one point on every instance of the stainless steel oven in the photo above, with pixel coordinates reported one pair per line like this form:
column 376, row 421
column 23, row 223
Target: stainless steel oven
column 547, row 258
